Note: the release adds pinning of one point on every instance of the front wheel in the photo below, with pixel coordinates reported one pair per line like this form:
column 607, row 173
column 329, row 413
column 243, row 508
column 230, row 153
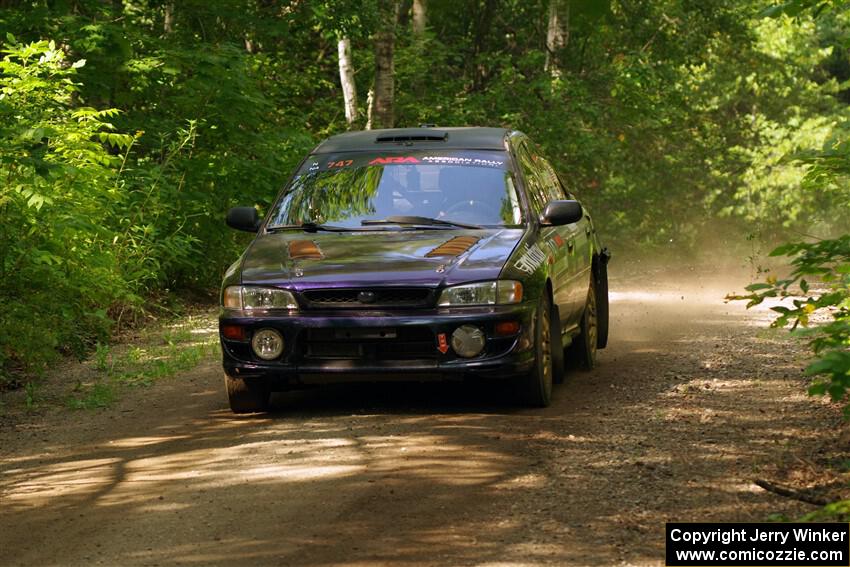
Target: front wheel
column 246, row 396
column 536, row 386
column 583, row 349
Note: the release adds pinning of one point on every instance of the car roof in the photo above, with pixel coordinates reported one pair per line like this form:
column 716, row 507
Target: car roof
column 428, row 138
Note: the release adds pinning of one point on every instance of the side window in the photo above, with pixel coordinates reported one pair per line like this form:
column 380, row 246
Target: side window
column 553, row 186
column 568, row 194
column 534, row 185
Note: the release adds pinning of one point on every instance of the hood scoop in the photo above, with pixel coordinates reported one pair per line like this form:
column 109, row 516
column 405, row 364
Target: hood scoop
column 304, row 249
column 453, row 247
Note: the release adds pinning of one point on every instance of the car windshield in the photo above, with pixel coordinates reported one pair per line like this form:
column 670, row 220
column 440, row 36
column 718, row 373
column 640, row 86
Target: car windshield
column 360, row 190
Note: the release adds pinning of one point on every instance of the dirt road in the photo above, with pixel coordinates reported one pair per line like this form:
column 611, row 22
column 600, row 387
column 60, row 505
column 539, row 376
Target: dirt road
column 687, row 408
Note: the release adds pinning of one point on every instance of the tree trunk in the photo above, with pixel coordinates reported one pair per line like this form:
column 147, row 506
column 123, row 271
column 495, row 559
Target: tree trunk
column 557, row 34
column 420, row 17
column 483, row 25
column 382, row 111
column 346, row 78
column 168, row 25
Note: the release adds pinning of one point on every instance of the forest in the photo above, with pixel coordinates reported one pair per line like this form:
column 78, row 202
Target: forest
column 710, row 140
column 693, row 130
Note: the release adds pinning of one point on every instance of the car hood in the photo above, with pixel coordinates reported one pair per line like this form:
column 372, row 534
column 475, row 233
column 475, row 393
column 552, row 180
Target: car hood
column 430, row 258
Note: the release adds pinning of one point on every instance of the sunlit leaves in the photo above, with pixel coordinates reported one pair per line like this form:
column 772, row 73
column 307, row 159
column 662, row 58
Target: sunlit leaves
column 829, row 262
column 55, row 170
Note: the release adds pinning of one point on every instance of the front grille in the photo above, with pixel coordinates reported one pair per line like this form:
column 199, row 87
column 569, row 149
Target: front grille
column 368, row 298
column 367, row 344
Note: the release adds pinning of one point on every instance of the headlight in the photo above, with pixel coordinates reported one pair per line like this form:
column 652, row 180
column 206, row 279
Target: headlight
column 501, row 292
column 249, row 297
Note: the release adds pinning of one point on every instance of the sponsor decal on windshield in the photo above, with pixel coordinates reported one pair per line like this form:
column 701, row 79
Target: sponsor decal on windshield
column 393, row 160
column 345, row 161
column 340, row 163
column 455, row 160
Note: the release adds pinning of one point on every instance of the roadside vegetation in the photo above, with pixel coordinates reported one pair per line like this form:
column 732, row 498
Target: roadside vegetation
column 158, row 351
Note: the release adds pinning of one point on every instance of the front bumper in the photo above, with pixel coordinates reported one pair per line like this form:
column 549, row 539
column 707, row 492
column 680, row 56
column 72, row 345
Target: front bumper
column 346, row 345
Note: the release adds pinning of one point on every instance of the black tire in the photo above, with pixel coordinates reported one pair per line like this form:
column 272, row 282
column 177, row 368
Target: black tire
column 558, row 368
column 535, row 388
column 246, row 397
column 583, row 349
column 601, row 303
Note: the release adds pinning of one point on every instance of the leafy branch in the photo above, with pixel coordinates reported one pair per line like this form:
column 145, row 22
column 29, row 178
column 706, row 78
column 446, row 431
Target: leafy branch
column 827, row 264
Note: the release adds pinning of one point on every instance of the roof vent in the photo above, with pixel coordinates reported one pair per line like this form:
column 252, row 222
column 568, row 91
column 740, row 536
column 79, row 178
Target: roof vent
column 417, row 135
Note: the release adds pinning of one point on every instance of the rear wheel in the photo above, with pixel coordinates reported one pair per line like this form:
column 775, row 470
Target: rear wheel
column 246, row 396
column 583, row 349
column 536, row 386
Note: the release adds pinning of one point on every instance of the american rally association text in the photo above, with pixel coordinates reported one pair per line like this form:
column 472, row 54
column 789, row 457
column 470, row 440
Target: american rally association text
column 757, row 534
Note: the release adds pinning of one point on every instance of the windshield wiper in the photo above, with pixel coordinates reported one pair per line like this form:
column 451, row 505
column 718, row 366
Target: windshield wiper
column 308, row 227
column 424, row 221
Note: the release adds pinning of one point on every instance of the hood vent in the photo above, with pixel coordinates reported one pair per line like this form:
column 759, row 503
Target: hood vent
column 453, row 247
column 304, row 249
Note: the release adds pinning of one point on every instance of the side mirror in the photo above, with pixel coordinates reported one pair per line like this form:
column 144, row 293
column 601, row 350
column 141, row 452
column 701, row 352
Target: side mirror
column 558, row 213
column 243, row 218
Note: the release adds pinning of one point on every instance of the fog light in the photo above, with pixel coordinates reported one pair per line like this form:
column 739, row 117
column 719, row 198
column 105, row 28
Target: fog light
column 267, row 344
column 468, row 341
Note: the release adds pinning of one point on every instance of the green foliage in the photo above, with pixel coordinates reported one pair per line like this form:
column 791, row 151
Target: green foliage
column 100, row 395
column 101, row 356
column 58, row 273
column 835, row 512
column 163, row 355
column 818, row 283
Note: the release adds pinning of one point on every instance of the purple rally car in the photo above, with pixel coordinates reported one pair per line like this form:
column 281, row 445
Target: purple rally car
column 414, row 254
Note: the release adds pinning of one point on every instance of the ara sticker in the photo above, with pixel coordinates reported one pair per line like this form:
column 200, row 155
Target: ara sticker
column 392, row 160
column 531, row 259
column 442, row 343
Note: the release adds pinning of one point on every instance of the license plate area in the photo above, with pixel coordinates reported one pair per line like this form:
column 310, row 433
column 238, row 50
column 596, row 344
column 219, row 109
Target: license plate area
column 367, row 333
column 367, row 343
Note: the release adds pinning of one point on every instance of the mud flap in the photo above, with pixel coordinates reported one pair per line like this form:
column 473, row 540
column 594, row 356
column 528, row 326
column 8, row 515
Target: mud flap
column 600, row 273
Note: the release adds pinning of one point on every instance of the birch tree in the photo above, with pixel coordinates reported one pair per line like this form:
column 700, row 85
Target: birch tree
column 420, row 17
column 346, row 79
